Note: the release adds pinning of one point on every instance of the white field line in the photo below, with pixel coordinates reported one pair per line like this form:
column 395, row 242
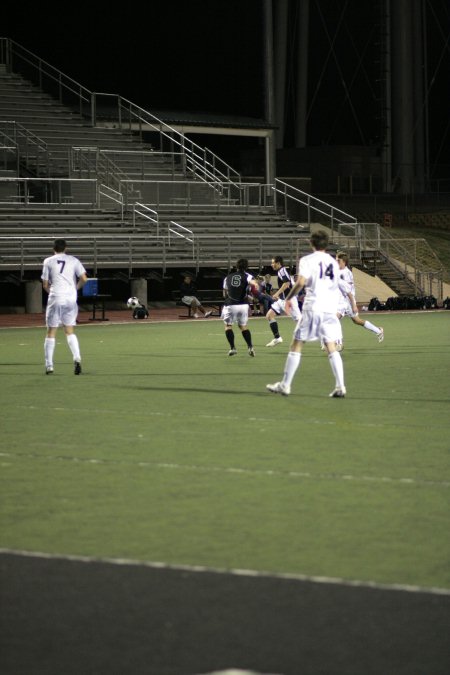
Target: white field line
column 105, row 324
column 241, row 418
column 274, row 473
column 233, row 572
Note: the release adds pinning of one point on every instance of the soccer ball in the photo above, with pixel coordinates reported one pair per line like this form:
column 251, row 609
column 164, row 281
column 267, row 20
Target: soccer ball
column 133, row 302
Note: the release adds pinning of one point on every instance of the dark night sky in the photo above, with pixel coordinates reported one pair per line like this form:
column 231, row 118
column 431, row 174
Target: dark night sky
column 177, row 57
column 207, row 56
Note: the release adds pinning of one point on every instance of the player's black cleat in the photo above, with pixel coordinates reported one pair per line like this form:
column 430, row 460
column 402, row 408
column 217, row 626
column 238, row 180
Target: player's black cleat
column 339, row 392
column 77, row 369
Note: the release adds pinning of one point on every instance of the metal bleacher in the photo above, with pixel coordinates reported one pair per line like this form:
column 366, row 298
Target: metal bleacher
column 130, row 193
column 123, row 202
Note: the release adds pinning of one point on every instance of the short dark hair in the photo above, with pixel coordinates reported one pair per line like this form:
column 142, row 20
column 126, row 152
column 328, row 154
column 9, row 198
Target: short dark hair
column 341, row 255
column 319, row 240
column 242, row 264
column 278, row 259
column 60, row 245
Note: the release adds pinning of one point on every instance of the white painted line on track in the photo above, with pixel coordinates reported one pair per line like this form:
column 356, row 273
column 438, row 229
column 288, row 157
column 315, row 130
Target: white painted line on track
column 336, row 581
column 276, row 473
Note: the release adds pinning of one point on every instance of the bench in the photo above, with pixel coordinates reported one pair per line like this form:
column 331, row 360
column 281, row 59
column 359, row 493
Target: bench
column 209, row 297
column 98, row 304
column 90, row 293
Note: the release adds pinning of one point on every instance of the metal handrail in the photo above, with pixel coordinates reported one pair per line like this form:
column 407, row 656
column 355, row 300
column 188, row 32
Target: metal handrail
column 143, row 155
column 402, row 252
column 12, row 52
column 18, row 127
column 113, row 195
column 144, row 212
column 28, row 251
column 19, row 132
column 409, row 263
column 24, row 196
column 90, row 158
column 175, row 230
column 201, row 162
column 289, row 192
column 8, row 146
column 223, row 194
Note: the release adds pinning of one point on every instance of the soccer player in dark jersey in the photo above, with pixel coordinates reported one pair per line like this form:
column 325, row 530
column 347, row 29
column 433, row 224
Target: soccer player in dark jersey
column 285, row 284
column 235, row 309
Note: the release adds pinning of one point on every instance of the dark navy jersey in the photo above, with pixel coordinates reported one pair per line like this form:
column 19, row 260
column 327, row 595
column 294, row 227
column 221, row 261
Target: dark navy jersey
column 188, row 289
column 283, row 277
column 236, row 285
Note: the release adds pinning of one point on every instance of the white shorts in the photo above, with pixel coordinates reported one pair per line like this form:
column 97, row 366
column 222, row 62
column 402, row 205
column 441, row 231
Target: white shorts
column 318, row 326
column 191, row 300
column 279, row 308
column 235, row 314
column 61, row 311
column 345, row 309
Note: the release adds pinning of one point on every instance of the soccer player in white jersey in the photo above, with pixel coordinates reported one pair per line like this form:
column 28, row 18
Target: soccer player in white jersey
column 344, row 306
column 62, row 275
column 278, row 307
column 319, row 275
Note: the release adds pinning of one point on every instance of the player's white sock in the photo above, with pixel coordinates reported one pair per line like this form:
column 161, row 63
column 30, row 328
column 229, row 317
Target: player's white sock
column 74, row 347
column 371, row 327
column 337, row 367
column 49, row 348
column 290, row 367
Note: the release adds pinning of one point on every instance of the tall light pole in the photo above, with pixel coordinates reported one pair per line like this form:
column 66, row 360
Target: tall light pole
column 301, row 90
column 269, row 93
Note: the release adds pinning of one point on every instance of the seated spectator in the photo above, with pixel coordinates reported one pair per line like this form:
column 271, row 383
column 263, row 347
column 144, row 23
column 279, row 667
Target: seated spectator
column 188, row 292
column 266, row 293
column 261, row 296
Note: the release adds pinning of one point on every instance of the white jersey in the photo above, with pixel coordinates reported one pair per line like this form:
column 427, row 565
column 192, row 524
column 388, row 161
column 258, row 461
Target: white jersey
column 344, row 306
column 62, row 272
column 347, row 275
column 323, row 285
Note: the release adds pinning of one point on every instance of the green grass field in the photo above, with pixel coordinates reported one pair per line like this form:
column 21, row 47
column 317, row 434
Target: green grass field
column 166, row 449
